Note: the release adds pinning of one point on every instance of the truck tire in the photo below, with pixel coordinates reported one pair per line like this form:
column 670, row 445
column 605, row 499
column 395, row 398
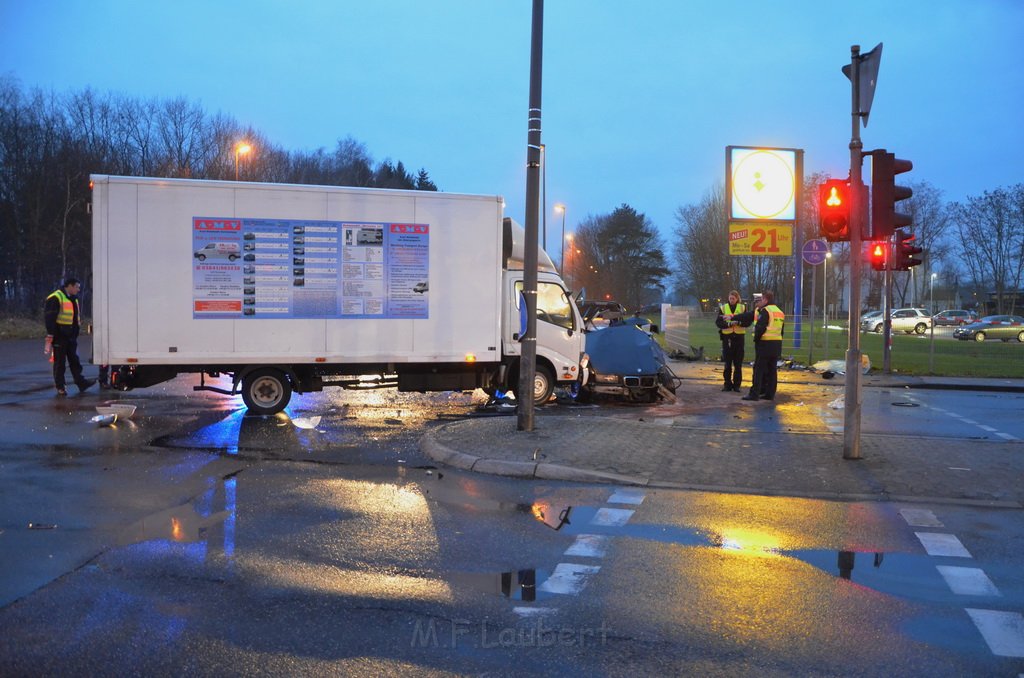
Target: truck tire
column 266, row 391
column 543, row 385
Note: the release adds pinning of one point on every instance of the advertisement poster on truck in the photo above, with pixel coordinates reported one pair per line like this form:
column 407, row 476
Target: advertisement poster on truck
column 287, row 268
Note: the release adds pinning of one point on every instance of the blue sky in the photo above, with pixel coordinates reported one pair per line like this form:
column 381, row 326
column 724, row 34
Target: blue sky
column 640, row 98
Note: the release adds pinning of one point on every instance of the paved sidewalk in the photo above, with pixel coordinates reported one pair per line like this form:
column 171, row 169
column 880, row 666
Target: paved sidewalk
column 661, row 452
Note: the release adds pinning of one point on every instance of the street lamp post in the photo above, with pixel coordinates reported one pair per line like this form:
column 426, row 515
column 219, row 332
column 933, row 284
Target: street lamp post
column 559, row 207
column 240, row 149
column 824, row 297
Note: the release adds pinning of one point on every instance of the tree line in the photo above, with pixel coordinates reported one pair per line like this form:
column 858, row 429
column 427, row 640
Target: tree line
column 50, row 144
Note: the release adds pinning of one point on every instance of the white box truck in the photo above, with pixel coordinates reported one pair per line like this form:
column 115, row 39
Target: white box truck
column 314, row 286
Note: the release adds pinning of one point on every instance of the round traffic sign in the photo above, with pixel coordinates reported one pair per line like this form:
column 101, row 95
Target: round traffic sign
column 814, row 251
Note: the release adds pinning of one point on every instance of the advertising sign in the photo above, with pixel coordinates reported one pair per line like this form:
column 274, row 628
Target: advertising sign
column 762, row 183
column 765, row 239
column 286, row 268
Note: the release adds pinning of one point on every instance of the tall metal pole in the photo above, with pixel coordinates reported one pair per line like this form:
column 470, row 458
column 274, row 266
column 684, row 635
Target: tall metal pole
column 824, row 300
column 851, row 420
column 544, row 197
column 528, row 355
column 561, row 257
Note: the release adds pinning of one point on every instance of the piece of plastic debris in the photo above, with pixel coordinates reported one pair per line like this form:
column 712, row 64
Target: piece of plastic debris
column 104, row 419
column 123, row 411
column 306, row 422
column 839, row 403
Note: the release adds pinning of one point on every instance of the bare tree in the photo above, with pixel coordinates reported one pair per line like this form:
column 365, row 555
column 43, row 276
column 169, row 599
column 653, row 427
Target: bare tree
column 991, row 230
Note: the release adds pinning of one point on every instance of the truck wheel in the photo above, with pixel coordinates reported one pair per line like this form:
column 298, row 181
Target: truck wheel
column 266, row 391
column 543, row 385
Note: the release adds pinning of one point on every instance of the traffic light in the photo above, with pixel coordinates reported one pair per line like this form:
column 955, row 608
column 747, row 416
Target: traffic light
column 904, row 259
column 885, row 194
column 834, row 207
column 878, row 256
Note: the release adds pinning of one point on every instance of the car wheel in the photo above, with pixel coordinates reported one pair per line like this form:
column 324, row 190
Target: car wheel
column 201, row 257
column 1020, row 336
column 979, row 336
column 920, row 328
column 878, row 328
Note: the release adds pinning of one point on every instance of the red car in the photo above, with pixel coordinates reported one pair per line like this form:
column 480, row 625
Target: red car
column 957, row 317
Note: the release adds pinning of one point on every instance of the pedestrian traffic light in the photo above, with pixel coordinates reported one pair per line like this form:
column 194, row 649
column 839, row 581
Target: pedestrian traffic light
column 904, row 259
column 834, row 208
column 878, row 256
column 885, row 194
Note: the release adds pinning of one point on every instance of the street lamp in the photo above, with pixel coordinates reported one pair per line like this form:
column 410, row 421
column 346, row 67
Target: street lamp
column 559, row 207
column 241, row 148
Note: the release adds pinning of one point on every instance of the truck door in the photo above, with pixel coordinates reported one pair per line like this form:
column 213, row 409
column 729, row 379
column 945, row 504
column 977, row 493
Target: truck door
column 559, row 338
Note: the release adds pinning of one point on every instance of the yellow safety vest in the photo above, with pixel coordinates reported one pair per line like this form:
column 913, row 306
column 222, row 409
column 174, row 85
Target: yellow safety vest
column 776, row 319
column 67, row 308
column 733, row 329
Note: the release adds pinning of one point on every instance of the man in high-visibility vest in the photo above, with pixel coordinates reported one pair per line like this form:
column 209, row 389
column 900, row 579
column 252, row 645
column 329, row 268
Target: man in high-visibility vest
column 733, row 336
column 768, row 331
column 63, row 319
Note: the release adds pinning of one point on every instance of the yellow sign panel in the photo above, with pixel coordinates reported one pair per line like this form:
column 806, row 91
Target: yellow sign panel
column 760, row 239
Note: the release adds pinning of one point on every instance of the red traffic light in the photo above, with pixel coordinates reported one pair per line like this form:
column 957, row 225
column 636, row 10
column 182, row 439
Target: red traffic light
column 878, row 257
column 834, row 208
column 905, row 251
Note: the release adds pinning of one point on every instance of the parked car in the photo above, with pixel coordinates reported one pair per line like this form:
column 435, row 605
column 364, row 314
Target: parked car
column 868, row 316
column 907, row 320
column 1002, row 327
column 954, row 317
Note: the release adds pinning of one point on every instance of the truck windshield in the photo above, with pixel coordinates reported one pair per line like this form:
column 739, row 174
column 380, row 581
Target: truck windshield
column 553, row 305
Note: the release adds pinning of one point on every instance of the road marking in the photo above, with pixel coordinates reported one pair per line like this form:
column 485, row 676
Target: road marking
column 612, row 517
column 624, row 496
column 920, row 518
column 987, row 428
column 1003, row 631
column 938, row 544
column 531, row 611
column 1007, row 436
column 568, row 578
column 588, row 546
column 968, row 421
column 968, row 581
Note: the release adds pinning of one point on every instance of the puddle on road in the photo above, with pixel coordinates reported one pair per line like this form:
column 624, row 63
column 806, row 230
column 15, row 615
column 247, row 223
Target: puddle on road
column 521, row 585
column 199, row 528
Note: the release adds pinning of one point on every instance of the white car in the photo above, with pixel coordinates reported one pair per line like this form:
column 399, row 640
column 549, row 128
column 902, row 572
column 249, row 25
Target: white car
column 916, row 320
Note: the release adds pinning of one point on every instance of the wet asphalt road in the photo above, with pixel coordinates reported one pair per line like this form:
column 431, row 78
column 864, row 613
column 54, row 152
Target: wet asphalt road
column 195, row 539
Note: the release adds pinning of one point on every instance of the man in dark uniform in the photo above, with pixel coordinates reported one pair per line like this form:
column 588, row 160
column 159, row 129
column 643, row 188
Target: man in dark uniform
column 63, row 319
column 768, row 332
column 733, row 337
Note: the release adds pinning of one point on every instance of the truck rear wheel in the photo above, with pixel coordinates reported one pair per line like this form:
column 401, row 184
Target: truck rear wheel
column 266, row 391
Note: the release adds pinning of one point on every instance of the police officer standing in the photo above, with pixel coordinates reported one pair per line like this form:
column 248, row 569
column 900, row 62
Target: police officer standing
column 63, row 319
column 768, row 332
column 733, row 338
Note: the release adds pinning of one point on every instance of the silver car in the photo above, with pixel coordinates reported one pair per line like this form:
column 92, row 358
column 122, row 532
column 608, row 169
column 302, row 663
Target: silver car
column 916, row 320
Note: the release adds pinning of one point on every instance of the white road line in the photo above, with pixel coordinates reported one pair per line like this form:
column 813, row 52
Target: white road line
column 612, row 517
column 920, row 518
column 938, row 544
column 588, row 546
column 968, row 421
column 531, row 611
column 968, row 581
column 1006, row 436
column 624, row 496
column 1003, row 631
column 987, row 428
column 568, row 578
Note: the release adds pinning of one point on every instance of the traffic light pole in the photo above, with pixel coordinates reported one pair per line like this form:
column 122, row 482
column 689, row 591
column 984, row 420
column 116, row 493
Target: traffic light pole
column 851, row 421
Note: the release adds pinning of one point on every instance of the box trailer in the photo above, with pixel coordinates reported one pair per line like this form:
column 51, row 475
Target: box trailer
column 316, row 285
